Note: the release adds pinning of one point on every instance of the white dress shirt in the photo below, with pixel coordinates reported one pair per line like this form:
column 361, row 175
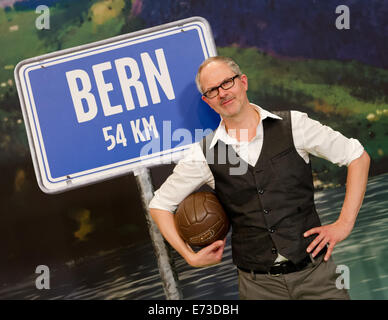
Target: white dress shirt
column 310, row 137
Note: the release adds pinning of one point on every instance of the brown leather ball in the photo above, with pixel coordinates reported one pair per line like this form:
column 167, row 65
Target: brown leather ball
column 201, row 220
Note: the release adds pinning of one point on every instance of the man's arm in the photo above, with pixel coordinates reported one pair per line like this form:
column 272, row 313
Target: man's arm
column 189, row 174
column 209, row 255
column 357, row 178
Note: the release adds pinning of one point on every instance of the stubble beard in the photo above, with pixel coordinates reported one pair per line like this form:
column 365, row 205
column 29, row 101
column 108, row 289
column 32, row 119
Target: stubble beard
column 225, row 108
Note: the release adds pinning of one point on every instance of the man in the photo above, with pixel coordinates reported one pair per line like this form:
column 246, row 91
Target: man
column 278, row 244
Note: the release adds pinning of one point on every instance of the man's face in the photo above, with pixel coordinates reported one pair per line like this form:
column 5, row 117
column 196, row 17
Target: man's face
column 228, row 103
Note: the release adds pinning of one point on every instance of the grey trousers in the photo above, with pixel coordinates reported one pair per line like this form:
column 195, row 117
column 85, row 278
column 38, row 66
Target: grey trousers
column 315, row 282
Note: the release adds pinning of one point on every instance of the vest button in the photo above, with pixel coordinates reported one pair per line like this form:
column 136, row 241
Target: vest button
column 261, row 191
column 271, row 230
column 266, row 211
column 274, row 251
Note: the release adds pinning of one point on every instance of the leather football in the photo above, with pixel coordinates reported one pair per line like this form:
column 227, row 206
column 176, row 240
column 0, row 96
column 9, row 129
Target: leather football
column 201, row 220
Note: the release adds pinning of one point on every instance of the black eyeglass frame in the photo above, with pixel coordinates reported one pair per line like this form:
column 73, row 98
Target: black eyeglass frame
column 221, row 86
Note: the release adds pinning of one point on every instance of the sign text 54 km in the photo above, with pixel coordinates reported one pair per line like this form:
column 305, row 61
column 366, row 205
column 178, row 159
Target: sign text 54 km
column 90, row 110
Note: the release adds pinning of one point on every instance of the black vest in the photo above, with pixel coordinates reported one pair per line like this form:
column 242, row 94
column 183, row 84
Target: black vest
column 270, row 205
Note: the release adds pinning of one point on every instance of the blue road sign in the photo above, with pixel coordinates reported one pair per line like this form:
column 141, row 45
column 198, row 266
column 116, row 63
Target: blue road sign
column 104, row 109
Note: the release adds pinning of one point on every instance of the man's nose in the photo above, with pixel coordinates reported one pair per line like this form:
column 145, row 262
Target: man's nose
column 222, row 92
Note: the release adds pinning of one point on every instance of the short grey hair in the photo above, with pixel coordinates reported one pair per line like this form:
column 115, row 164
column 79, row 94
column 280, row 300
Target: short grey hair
column 228, row 61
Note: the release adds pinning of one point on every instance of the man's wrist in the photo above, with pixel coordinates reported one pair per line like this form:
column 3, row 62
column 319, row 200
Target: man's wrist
column 346, row 223
column 190, row 259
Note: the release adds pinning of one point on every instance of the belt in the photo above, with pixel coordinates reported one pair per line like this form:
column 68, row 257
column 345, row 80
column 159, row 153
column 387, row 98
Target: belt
column 286, row 267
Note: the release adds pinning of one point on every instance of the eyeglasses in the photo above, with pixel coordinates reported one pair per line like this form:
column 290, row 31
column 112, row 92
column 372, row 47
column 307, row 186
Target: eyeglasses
column 227, row 84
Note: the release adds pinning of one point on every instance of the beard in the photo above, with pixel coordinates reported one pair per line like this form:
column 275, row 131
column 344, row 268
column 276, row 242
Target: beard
column 229, row 107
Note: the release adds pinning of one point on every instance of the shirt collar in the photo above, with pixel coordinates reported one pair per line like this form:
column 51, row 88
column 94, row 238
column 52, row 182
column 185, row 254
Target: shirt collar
column 221, row 134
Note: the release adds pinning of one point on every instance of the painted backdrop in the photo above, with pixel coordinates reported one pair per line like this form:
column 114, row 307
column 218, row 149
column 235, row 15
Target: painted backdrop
column 298, row 54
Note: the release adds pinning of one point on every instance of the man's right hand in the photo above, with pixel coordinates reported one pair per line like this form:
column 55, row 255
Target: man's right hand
column 208, row 256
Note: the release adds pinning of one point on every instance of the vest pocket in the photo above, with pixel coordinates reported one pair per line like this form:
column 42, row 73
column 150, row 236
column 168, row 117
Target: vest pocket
column 282, row 154
column 249, row 246
column 289, row 168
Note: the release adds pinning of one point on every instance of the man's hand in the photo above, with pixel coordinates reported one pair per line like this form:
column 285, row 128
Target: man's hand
column 329, row 234
column 210, row 255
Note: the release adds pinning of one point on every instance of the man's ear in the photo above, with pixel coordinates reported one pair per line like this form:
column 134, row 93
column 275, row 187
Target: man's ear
column 244, row 81
column 204, row 99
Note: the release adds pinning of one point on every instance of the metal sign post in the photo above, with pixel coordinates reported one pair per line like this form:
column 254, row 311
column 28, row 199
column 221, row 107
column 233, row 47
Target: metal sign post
column 104, row 109
column 167, row 273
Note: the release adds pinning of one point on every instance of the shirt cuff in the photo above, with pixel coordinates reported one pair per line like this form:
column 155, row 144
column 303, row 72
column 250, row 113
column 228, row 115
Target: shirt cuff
column 356, row 154
column 156, row 203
